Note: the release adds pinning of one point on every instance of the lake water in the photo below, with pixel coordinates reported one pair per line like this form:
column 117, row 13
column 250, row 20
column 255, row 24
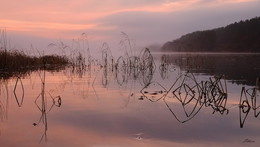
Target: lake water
column 163, row 99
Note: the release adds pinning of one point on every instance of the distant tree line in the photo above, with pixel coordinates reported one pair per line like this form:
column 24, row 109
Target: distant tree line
column 243, row 36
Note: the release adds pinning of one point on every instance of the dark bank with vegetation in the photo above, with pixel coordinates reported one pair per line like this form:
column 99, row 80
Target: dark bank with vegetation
column 17, row 63
column 243, row 36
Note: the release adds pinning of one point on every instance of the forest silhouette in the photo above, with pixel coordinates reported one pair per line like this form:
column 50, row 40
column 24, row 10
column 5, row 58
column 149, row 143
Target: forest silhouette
column 243, row 36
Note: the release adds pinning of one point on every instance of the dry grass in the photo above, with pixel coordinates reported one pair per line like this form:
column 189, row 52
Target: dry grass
column 17, row 62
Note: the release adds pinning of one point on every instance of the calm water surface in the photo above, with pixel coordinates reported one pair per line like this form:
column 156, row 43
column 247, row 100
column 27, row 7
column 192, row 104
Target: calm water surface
column 177, row 100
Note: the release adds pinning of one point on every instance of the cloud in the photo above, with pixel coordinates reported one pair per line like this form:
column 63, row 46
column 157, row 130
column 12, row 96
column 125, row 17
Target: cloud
column 14, row 25
column 145, row 20
column 83, row 12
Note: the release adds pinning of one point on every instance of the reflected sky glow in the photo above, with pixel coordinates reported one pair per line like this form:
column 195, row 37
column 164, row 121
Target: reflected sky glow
column 109, row 114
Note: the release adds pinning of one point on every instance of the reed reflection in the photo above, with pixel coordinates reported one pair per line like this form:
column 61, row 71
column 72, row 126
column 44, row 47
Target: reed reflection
column 121, row 73
column 4, row 100
column 154, row 91
column 189, row 95
column 19, row 98
column 244, row 104
column 186, row 93
column 41, row 102
column 215, row 94
column 164, row 66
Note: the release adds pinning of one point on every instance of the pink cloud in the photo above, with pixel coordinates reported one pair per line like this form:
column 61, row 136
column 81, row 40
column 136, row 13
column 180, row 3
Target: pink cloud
column 50, row 17
column 74, row 15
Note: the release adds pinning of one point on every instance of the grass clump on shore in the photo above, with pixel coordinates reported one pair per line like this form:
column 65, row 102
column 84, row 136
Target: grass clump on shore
column 17, row 62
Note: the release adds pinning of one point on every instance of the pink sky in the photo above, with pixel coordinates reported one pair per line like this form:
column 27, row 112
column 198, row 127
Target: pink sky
column 146, row 21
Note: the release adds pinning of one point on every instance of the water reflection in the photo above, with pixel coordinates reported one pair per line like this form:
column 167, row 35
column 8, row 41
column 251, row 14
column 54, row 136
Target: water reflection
column 238, row 68
column 4, row 100
column 147, row 66
column 187, row 94
column 121, row 75
column 19, row 98
column 216, row 92
column 112, row 95
column 164, row 66
column 244, row 104
column 41, row 102
column 154, row 91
